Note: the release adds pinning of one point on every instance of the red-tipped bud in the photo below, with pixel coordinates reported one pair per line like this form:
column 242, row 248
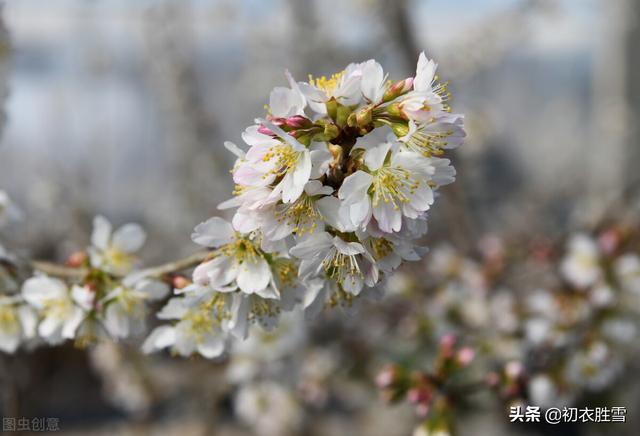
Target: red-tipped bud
column 446, row 344
column 387, row 377
column 298, row 122
column 180, row 282
column 397, row 89
column 77, row 259
column 419, row 395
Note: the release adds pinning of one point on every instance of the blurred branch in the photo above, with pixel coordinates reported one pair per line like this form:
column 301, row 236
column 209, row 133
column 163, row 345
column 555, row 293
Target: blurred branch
column 60, row 271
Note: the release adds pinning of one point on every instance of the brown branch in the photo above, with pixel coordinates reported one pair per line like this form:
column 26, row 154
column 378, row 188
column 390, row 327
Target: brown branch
column 65, row 272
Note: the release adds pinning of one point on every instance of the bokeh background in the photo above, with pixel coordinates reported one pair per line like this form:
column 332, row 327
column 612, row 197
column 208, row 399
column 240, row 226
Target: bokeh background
column 121, row 108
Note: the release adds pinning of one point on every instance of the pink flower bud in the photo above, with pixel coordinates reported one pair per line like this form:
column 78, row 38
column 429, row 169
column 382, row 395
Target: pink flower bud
column 466, row 356
column 513, row 369
column 422, row 409
column 419, row 395
column 408, row 84
column 180, row 282
column 298, row 122
column 609, row 241
column 77, row 259
column 446, row 344
column 265, row 131
column 386, row 377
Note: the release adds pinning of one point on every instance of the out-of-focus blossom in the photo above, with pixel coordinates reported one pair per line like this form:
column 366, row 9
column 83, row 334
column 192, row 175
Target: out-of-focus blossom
column 269, row 408
column 17, row 323
column 126, row 306
column 8, row 210
column 61, row 310
column 114, row 252
column 581, row 265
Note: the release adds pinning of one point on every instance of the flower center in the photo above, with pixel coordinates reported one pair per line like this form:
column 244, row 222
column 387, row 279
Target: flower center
column 381, row 248
column 242, row 249
column 118, row 258
column 302, row 214
column 8, row 320
column 58, row 309
column 393, row 185
column 283, row 157
column 327, row 85
column 339, row 266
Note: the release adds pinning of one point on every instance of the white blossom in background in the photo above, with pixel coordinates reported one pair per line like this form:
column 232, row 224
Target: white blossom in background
column 8, row 210
column 61, row 310
column 581, row 265
column 126, row 306
column 114, row 251
column 17, row 323
column 269, row 408
column 627, row 268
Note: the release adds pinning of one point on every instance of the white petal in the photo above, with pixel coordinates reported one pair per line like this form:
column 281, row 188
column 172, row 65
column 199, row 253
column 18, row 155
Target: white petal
column 28, row 321
column 213, row 233
column 9, row 341
column 37, row 290
column 116, row 321
column 238, row 325
column 355, row 187
column 161, row 337
column 129, row 238
column 233, row 148
column 388, row 217
column 335, row 213
column 312, row 245
column 213, row 346
column 425, row 73
column 253, row 275
column 348, row 248
column 372, row 84
column 71, row 325
column 360, row 212
column 353, row 284
column 174, row 309
column 153, row 289
column 374, row 157
column 49, row 330
column 101, row 232
column 83, row 297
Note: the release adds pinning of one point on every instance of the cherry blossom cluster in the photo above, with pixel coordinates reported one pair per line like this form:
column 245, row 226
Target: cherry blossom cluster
column 332, row 192
column 111, row 301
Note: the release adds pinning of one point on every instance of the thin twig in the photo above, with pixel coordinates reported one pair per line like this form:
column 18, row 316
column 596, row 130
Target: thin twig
column 65, row 272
